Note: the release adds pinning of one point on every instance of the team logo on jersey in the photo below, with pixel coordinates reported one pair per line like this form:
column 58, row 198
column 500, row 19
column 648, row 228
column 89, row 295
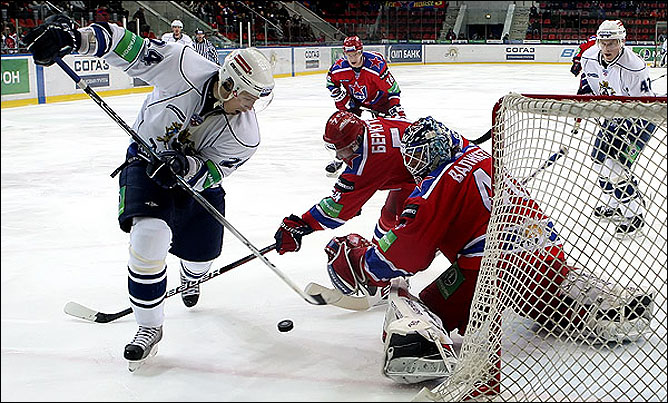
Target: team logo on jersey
column 359, row 91
column 376, row 62
column 170, row 131
column 606, row 89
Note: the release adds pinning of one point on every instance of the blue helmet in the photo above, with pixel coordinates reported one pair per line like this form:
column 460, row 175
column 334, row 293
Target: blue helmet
column 426, row 144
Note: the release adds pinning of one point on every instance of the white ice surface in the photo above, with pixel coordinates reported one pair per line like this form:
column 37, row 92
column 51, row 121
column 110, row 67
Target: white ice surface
column 61, row 242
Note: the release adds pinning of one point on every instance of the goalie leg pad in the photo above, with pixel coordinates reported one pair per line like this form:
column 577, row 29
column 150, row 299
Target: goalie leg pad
column 417, row 348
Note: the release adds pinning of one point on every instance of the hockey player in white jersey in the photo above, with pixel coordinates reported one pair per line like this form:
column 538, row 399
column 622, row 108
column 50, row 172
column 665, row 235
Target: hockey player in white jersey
column 612, row 69
column 201, row 120
column 177, row 34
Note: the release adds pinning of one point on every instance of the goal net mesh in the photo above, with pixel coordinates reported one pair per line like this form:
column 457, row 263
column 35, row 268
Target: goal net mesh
column 522, row 345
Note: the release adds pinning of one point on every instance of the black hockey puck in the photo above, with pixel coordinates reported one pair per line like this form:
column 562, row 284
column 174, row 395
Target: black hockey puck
column 285, row 325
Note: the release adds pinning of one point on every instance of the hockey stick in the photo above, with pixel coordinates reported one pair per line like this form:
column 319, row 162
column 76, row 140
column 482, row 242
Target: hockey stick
column 311, row 299
column 551, row 160
column 364, row 302
column 478, row 141
column 79, row 311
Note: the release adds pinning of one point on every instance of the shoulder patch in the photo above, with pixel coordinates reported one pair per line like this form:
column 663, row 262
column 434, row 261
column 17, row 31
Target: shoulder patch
column 129, row 46
column 410, row 211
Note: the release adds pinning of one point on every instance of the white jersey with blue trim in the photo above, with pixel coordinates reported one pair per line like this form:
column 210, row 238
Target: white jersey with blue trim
column 184, row 39
column 627, row 75
column 180, row 108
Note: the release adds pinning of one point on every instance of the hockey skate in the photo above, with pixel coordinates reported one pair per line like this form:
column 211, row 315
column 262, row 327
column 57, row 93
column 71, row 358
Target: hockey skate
column 142, row 346
column 333, row 168
column 190, row 295
column 609, row 313
column 608, row 213
column 630, row 226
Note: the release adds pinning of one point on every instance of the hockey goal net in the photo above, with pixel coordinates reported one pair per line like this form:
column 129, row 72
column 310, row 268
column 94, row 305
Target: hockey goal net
column 543, row 148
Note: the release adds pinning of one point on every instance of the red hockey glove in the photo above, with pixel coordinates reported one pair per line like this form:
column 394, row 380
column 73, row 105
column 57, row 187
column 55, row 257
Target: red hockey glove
column 345, row 261
column 289, row 235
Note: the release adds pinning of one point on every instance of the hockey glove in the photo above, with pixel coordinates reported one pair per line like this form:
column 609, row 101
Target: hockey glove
column 396, row 111
column 55, row 38
column 576, row 68
column 289, row 235
column 345, row 262
column 163, row 170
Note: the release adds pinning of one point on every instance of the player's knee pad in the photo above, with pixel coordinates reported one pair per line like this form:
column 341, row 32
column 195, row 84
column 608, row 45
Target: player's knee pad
column 417, row 348
column 150, row 239
column 195, row 270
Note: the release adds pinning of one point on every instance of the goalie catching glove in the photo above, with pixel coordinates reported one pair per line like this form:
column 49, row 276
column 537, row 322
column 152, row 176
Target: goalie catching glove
column 345, row 265
column 289, row 235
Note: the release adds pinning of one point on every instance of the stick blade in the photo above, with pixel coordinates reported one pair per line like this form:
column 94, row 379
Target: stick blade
column 332, row 296
column 80, row 311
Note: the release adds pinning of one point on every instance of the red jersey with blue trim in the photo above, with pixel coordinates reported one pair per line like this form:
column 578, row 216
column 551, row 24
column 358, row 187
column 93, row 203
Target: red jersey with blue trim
column 377, row 165
column 371, row 86
column 450, row 212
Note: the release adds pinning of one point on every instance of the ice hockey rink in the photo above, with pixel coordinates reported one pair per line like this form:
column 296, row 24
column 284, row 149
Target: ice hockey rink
column 61, row 242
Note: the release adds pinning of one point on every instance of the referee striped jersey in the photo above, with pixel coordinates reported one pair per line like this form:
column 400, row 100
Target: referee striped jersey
column 206, row 49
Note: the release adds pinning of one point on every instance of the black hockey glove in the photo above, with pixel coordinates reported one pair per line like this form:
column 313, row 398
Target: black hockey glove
column 56, row 37
column 163, row 170
column 289, row 235
column 576, row 68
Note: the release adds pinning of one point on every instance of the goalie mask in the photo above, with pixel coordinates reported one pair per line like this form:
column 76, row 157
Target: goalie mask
column 426, row 144
column 247, row 70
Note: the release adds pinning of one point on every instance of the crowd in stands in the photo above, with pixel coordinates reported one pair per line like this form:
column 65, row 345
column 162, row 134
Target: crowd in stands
column 18, row 17
column 372, row 21
column 265, row 16
column 556, row 20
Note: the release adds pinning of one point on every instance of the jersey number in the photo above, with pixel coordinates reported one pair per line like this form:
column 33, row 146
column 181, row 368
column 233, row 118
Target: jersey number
column 484, row 184
column 645, row 85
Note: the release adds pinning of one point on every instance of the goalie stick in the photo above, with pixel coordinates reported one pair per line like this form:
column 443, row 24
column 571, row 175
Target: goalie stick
column 83, row 85
column 365, row 302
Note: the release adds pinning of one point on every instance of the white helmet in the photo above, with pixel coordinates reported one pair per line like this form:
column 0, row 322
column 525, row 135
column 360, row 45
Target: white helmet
column 246, row 70
column 611, row 29
column 177, row 23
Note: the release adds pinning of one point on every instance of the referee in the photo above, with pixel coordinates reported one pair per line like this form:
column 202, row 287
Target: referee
column 204, row 47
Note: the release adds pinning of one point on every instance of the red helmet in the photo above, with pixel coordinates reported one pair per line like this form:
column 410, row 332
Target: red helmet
column 352, row 43
column 343, row 129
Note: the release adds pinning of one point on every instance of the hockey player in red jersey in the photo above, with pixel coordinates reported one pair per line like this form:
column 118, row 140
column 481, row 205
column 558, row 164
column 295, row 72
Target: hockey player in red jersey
column 370, row 150
column 449, row 213
column 576, row 67
column 362, row 80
